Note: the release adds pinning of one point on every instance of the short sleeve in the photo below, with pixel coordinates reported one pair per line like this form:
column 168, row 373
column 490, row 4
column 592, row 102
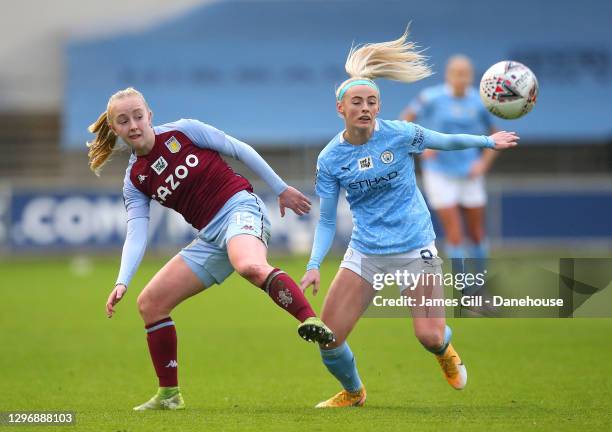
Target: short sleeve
column 326, row 185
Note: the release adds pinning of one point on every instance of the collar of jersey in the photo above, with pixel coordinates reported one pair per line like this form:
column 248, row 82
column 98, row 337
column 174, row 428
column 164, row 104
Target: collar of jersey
column 376, row 129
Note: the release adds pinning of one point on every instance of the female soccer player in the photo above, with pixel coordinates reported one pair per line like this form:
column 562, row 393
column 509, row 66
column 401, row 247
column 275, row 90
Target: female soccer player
column 178, row 165
column 373, row 160
column 454, row 181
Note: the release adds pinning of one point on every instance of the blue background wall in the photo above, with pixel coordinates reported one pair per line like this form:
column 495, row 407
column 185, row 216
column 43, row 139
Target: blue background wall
column 266, row 71
column 72, row 219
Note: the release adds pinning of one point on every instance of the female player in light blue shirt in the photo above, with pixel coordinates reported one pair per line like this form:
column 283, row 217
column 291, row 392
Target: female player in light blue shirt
column 373, row 160
column 454, row 181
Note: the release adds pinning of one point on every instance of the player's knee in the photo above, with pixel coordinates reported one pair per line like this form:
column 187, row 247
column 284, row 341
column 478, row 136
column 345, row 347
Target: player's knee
column 143, row 304
column 151, row 310
column 254, row 273
column 147, row 308
column 430, row 338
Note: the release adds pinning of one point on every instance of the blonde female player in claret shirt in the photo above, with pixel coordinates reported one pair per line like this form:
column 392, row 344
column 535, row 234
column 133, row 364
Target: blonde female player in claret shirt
column 373, row 161
column 179, row 165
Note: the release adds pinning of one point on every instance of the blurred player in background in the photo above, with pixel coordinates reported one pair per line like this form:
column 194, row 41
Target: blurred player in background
column 373, row 160
column 179, row 165
column 454, row 181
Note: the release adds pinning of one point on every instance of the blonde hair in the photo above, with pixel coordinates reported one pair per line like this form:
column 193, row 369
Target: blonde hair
column 397, row 60
column 104, row 144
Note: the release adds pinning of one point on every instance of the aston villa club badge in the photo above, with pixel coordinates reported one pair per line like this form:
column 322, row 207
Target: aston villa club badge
column 173, row 145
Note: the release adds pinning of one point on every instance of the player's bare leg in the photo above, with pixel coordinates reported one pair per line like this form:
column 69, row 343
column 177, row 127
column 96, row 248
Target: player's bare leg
column 171, row 285
column 475, row 226
column 430, row 328
column 248, row 256
column 474, row 221
column 346, row 300
column 477, row 251
column 450, row 219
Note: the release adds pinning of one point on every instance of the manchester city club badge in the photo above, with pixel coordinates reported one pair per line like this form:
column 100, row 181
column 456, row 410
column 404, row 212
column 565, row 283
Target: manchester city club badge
column 386, row 157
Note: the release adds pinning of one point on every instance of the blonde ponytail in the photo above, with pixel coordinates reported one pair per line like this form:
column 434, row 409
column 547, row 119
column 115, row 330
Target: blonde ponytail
column 103, row 146
column 397, row 60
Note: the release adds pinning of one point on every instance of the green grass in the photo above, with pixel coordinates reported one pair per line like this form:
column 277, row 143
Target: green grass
column 242, row 366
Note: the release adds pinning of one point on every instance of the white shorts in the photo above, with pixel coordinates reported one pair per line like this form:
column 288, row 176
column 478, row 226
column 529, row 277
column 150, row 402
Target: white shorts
column 421, row 260
column 444, row 191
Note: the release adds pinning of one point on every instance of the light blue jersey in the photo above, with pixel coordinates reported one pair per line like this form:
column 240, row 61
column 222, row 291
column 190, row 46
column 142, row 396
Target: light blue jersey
column 438, row 109
column 389, row 212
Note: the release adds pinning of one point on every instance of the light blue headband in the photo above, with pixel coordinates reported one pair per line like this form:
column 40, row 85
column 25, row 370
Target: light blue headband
column 367, row 82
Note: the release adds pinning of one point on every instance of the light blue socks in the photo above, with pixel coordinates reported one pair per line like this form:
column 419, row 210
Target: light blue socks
column 341, row 363
column 454, row 251
column 477, row 250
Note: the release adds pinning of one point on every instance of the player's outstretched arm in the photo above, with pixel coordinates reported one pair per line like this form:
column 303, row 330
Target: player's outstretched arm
column 206, row 136
column 485, row 162
column 288, row 197
column 295, row 200
column 504, row 140
column 249, row 156
column 133, row 250
column 439, row 141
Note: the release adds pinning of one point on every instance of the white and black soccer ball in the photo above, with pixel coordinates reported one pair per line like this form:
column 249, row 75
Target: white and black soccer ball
column 509, row 89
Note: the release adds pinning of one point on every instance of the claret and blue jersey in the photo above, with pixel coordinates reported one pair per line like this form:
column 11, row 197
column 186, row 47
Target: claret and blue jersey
column 185, row 172
column 437, row 108
column 389, row 212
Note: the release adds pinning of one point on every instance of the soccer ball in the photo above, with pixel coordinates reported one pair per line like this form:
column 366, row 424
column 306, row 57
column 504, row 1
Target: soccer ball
column 509, row 89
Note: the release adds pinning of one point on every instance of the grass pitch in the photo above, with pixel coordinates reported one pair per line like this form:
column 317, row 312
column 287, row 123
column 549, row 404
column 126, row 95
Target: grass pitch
column 243, row 367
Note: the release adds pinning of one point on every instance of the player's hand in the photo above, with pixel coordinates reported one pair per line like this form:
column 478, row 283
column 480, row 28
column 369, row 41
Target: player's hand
column 311, row 277
column 428, row 154
column 504, row 140
column 295, row 200
column 478, row 168
column 115, row 296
